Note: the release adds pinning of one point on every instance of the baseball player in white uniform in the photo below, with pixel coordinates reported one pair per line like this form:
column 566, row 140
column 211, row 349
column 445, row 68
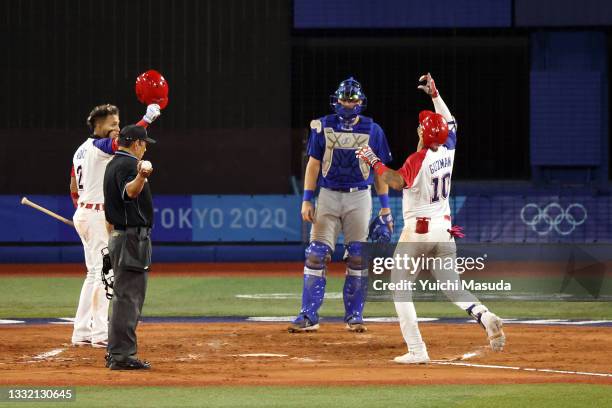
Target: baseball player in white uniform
column 89, row 164
column 425, row 180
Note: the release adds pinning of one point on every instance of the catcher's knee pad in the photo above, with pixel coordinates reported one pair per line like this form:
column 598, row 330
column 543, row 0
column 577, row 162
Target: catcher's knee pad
column 318, row 255
column 353, row 256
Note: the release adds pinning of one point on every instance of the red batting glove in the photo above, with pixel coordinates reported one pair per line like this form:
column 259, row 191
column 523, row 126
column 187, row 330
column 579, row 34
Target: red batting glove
column 366, row 154
column 456, row 231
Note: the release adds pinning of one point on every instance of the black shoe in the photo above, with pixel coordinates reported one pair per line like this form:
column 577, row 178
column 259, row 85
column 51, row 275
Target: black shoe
column 132, row 364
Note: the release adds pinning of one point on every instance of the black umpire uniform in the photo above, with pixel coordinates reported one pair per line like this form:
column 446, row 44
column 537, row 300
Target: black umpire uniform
column 130, row 250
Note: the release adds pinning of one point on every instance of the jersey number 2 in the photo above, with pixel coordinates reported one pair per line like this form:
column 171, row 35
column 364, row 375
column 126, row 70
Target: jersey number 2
column 441, row 183
column 80, row 176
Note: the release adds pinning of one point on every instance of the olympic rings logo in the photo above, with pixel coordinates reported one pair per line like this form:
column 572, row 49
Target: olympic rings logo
column 543, row 220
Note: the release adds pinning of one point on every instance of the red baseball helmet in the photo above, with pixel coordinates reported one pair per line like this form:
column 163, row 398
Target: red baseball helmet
column 151, row 87
column 435, row 128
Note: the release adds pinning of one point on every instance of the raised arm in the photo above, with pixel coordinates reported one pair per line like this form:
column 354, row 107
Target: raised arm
column 430, row 89
column 440, row 106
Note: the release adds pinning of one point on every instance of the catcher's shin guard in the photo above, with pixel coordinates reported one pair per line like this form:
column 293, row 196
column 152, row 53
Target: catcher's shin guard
column 317, row 256
column 355, row 287
column 354, row 295
column 313, row 293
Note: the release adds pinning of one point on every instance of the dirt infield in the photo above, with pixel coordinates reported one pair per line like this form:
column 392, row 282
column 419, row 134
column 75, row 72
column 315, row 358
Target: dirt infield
column 210, row 354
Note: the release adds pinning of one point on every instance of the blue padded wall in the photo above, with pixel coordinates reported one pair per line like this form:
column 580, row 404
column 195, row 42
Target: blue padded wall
column 569, row 107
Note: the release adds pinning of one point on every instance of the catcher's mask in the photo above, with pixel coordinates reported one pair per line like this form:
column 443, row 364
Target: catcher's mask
column 349, row 90
column 108, row 276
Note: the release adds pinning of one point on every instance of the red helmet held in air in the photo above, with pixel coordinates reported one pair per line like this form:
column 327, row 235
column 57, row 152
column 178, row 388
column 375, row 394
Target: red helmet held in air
column 435, row 128
column 151, row 87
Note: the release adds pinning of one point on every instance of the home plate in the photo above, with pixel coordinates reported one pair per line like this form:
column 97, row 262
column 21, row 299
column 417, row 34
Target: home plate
column 44, row 356
column 262, row 355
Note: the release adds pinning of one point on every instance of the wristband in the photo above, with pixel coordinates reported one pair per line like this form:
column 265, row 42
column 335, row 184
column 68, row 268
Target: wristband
column 308, row 194
column 384, row 200
column 380, row 168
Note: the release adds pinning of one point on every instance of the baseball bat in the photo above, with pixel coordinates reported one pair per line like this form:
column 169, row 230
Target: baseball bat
column 27, row 202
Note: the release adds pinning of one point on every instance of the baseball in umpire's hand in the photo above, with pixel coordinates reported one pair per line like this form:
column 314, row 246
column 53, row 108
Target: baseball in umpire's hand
column 145, row 168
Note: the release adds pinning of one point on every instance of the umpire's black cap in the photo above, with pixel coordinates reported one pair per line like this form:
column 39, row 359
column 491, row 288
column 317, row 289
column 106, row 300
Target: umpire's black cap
column 131, row 133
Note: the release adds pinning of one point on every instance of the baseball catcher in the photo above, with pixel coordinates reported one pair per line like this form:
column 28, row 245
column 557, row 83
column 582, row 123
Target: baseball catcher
column 344, row 203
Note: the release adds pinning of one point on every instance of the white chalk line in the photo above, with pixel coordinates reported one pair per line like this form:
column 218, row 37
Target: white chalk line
column 44, row 356
column 501, row 367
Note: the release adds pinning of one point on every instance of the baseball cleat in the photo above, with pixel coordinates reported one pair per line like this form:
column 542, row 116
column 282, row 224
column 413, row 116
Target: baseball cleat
column 493, row 325
column 81, row 343
column 355, row 324
column 412, row 358
column 356, row 327
column 302, row 324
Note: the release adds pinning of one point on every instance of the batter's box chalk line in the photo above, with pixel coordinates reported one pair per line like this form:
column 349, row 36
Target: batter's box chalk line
column 539, row 370
column 459, row 361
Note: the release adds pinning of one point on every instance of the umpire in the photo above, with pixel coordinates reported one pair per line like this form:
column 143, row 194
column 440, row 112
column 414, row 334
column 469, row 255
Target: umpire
column 128, row 207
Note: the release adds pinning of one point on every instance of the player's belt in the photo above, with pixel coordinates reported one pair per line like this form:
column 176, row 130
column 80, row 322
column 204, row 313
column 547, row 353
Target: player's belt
column 349, row 189
column 97, row 207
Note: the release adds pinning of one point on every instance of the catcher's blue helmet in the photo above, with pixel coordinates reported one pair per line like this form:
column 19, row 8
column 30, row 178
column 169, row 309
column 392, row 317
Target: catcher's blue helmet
column 349, row 90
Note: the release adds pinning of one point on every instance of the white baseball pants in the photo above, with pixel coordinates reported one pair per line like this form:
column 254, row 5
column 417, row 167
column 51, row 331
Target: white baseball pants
column 91, row 320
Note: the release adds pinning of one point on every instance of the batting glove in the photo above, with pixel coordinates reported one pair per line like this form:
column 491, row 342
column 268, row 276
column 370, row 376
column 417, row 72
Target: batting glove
column 456, row 231
column 153, row 112
column 368, row 156
column 430, row 85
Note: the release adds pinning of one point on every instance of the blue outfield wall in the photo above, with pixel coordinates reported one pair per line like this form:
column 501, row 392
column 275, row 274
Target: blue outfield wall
column 268, row 227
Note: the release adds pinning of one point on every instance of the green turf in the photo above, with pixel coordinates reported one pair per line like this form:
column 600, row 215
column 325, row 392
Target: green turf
column 498, row 396
column 216, row 296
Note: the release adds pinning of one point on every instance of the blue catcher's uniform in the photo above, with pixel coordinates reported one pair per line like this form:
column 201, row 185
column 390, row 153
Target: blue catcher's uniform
column 335, row 147
column 344, row 204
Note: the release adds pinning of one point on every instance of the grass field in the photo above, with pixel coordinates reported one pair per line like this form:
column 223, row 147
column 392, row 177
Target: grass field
column 499, row 396
column 217, row 296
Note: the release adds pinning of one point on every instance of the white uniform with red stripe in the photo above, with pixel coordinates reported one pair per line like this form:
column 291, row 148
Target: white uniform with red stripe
column 427, row 174
column 89, row 164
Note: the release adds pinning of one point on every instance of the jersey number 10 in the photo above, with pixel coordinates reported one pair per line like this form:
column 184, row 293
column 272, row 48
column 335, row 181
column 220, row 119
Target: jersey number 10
column 441, row 183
